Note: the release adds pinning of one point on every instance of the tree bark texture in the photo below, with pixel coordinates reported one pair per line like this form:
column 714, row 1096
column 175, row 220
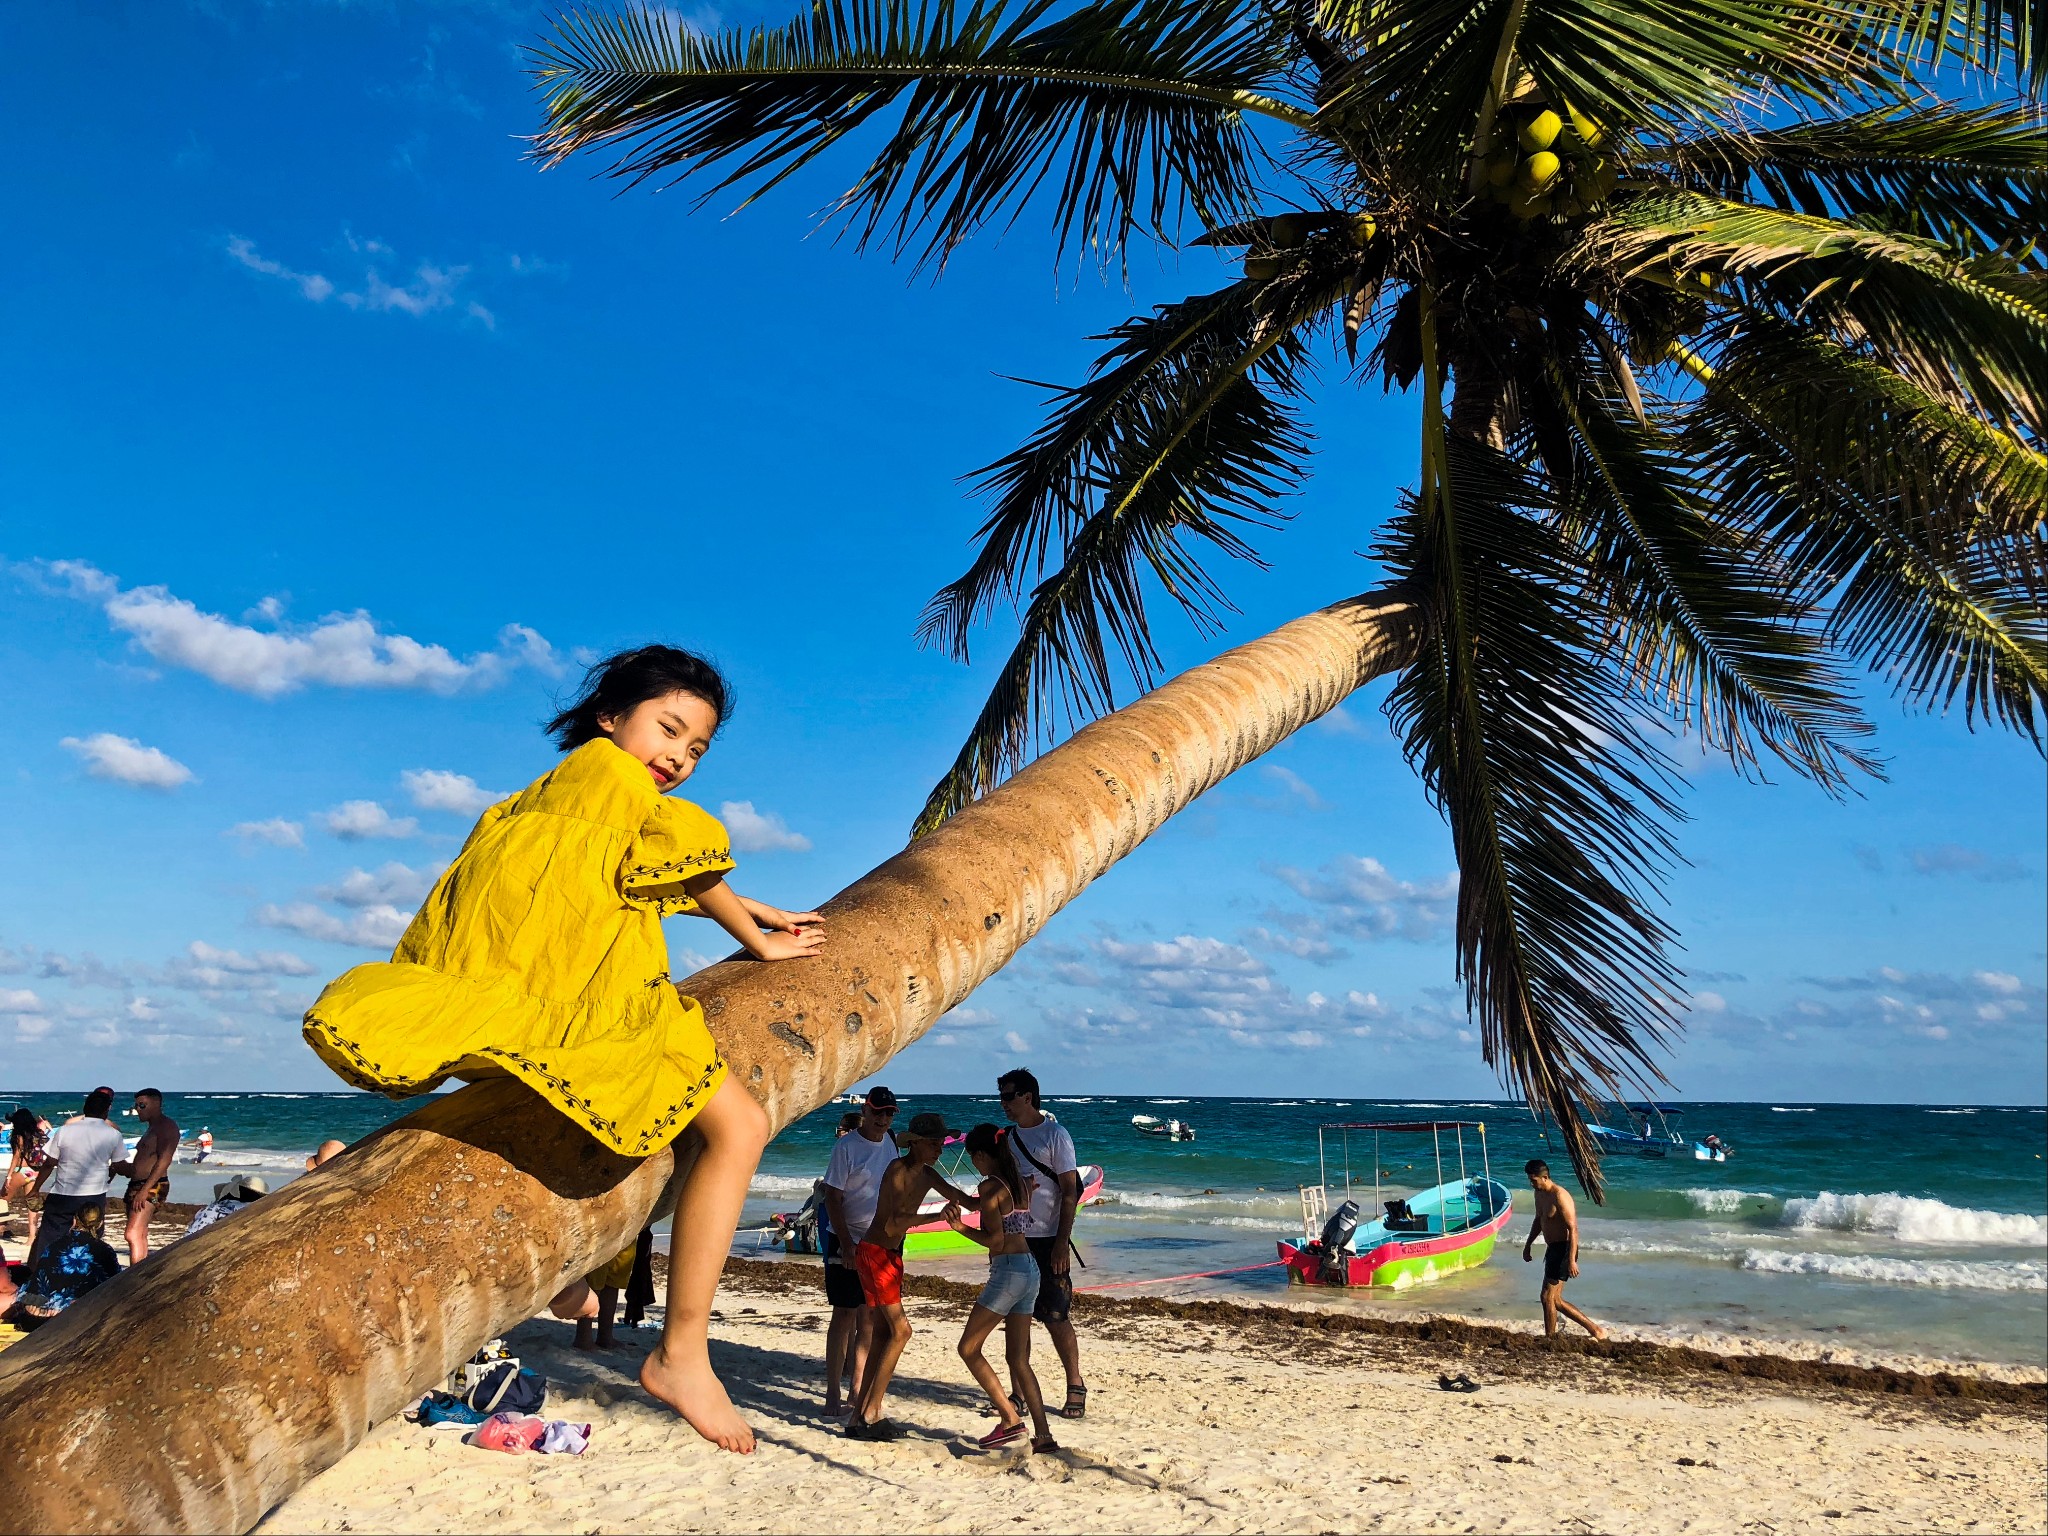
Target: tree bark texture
column 198, row 1392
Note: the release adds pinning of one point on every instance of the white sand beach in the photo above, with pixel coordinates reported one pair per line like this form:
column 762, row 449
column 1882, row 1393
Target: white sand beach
column 1199, row 1424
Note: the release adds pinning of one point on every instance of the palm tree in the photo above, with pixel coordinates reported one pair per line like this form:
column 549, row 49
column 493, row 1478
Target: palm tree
column 1732, row 339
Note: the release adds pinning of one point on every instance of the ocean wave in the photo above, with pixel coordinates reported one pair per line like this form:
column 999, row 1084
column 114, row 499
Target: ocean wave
column 1166, row 1101
column 1984, row 1275
column 1723, row 1202
column 1157, row 1200
column 1790, row 1109
column 1951, row 1111
column 780, row 1184
column 1912, row 1219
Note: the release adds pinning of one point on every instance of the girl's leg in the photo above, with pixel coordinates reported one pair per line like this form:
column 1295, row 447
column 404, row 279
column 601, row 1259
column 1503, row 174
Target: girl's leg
column 578, row 1301
column 980, row 1324
column 1024, row 1380
column 678, row 1370
column 607, row 1310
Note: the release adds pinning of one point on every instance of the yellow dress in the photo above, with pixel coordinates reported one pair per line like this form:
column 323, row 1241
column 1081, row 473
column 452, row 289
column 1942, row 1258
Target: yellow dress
column 539, row 953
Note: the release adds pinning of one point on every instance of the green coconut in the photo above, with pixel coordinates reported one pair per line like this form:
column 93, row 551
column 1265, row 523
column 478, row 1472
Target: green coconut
column 1262, row 268
column 1287, row 231
column 1539, row 171
column 1541, row 131
column 1526, row 204
column 1500, row 168
column 1363, row 228
column 1590, row 133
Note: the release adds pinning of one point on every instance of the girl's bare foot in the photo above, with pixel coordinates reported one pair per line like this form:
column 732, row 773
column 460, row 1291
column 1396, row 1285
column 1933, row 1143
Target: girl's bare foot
column 693, row 1389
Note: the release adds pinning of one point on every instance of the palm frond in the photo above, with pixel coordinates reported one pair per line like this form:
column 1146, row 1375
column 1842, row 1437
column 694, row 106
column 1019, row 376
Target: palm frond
column 1702, row 627
column 1131, row 111
column 1962, row 329
column 1919, row 526
column 1968, row 177
column 1187, row 431
column 1557, row 805
column 1979, row 34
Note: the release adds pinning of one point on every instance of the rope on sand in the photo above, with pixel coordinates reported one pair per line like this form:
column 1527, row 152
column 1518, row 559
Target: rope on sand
column 1205, row 1274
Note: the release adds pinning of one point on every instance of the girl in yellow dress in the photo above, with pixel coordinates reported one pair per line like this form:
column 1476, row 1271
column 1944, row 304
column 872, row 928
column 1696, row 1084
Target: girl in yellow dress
column 539, row 954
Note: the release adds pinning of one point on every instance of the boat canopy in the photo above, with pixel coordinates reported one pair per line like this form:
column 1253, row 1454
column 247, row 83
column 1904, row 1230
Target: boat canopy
column 1423, row 1126
column 1661, row 1109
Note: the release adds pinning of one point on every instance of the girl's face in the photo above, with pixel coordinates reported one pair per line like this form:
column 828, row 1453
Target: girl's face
column 669, row 735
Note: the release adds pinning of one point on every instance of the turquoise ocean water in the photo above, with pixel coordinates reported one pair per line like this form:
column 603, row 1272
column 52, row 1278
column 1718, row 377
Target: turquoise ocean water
column 1896, row 1229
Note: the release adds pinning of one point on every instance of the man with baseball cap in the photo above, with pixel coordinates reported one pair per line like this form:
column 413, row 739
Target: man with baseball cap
column 879, row 1261
column 853, row 1180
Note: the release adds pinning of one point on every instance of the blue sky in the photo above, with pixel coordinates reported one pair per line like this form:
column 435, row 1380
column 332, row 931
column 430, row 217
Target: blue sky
column 335, row 433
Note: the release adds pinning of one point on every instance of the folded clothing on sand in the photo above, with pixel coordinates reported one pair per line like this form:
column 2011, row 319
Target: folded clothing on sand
column 518, row 1432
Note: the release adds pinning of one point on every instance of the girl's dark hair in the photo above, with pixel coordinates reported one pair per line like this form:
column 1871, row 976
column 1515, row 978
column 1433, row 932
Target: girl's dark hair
column 23, row 1124
column 620, row 683
column 988, row 1140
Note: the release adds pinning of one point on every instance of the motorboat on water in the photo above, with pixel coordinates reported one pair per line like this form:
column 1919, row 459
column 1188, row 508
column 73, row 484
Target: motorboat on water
column 1167, row 1130
column 1651, row 1134
column 1417, row 1238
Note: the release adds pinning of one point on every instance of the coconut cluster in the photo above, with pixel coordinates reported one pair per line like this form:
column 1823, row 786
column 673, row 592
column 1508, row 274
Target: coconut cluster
column 1290, row 231
column 1543, row 161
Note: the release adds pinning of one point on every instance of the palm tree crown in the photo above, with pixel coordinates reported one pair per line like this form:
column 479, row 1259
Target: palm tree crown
column 1732, row 341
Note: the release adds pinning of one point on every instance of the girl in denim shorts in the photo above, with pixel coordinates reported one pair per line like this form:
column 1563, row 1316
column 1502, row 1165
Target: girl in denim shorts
column 1003, row 1205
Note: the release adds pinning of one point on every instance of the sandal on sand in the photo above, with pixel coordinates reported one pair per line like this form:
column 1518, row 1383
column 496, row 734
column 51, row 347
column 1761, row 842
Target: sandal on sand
column 1076, row 1405
column 1458, row 1383
column 1040, row 1447
column 988, row 1410
column 1001, row 1436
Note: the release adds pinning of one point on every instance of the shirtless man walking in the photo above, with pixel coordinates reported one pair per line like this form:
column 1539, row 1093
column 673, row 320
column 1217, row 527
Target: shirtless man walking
column 1557, row 1218
column 149, row 1184
column 878, row 1260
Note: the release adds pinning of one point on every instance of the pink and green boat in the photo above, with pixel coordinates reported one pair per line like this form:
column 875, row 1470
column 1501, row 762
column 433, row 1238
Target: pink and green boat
column 1416, row 1239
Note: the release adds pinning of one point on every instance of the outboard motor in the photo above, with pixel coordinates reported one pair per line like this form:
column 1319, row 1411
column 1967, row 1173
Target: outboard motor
column 1335, row 1239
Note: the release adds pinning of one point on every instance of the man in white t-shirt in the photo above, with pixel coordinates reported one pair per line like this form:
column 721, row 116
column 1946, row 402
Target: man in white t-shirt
column 1044, row 1155
column 78, row 1167
column 852, row 1185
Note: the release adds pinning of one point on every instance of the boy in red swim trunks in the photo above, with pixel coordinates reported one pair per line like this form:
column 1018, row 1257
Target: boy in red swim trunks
column 878, row 1260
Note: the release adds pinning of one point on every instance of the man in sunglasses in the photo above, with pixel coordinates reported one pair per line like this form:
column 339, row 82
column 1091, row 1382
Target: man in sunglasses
column 853, row 1183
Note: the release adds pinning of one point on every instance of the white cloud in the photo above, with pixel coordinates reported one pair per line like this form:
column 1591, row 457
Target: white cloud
column 1709, row 1002
column 265, row 962
column 1016, row 1042
column 371, row 928
column 277, row 832
column 1341, row 722
column 435, row 789
column 354, row 821
column 1366, row 900
column 1295, row 785
column 754, row 832
column 1997, row 981
column 342, row 650
column 19, row 1000
column 393, row 884
column 127, row 761
column 430, row 289
column 31, row 1027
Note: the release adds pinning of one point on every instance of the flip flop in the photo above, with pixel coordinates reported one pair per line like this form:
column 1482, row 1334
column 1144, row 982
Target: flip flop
column 1001, row 1436
column 1040, row 1447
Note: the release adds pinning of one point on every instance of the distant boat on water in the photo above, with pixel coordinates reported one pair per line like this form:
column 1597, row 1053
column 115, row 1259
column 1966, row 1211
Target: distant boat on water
column 1168, row 1130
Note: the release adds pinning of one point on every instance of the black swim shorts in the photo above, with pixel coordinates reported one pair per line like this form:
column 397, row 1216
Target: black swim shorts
column 1557, row 1263
column 842, row 1284
column 1055, row 1292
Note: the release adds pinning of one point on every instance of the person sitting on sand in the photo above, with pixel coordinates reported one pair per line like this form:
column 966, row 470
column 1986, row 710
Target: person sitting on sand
column 878, row 1260
column 327, row 1151
column 1004, row 1205
column 539, row 954
column 229, row 1196
column 74, row 1263
column 1557, row 1218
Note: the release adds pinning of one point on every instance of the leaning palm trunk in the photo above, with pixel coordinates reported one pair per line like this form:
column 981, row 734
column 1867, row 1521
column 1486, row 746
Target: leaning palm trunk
column 198, row 1393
